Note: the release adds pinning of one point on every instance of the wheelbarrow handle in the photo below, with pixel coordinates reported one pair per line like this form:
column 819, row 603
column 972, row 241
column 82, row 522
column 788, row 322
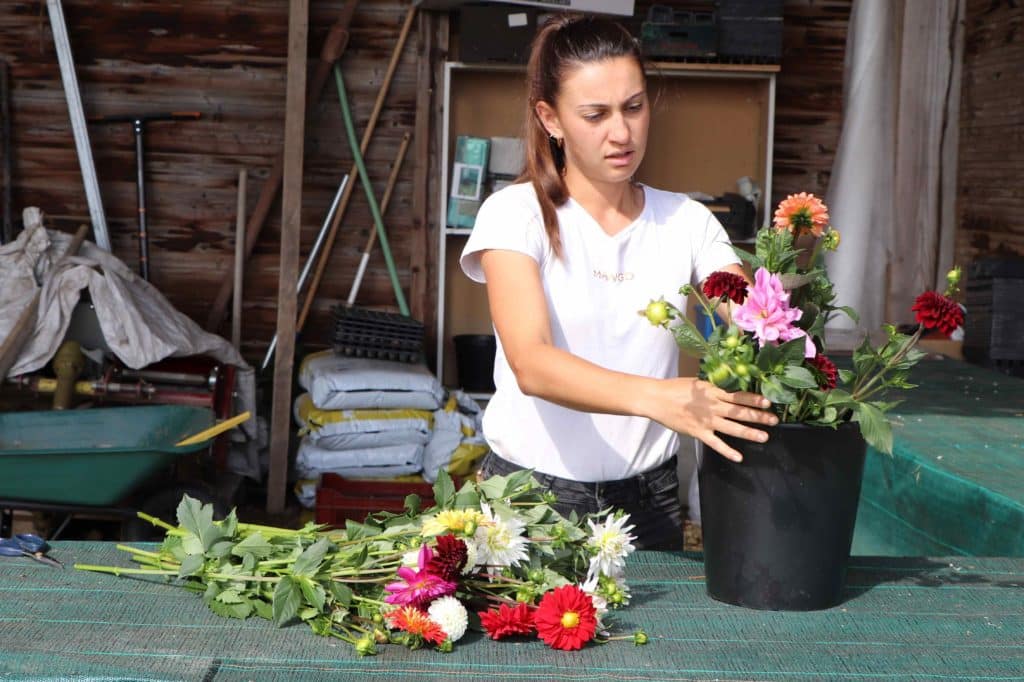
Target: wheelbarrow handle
column 215, row 430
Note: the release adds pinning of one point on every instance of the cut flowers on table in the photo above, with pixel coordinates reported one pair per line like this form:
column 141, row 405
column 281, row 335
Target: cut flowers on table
column 775, row 342
column 492, row 556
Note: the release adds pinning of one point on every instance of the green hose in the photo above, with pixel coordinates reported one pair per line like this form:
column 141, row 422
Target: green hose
column 403, row 307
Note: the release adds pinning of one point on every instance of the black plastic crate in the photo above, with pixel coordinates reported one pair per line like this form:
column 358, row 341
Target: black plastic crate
column 758, row 39
column 363, row 333
column 994, row 324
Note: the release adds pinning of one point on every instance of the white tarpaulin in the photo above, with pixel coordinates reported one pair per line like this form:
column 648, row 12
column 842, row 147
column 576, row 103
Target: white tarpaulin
column 138, row 324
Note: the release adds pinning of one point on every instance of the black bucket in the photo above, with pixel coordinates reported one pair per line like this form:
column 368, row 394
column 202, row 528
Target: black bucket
column 474, row 361
column 778, row 526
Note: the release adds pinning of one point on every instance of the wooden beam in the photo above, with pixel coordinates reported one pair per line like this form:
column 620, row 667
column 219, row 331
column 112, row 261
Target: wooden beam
column 288, row 275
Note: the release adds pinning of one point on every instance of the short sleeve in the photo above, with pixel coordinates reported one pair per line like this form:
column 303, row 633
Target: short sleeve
column 712, row 249
column 507, row 220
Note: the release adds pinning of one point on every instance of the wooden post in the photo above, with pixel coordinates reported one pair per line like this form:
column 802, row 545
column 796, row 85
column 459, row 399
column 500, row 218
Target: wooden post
column 420, row 288
column 236, row 305
column 291, row 223
column 334, row 46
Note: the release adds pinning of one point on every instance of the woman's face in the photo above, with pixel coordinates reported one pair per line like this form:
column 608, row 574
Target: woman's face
column 602, row 114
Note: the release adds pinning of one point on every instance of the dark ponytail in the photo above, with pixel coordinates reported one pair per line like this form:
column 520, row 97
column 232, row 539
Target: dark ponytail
column 564, row 42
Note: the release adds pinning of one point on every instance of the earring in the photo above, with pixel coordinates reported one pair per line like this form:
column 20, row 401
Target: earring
column 559, row 141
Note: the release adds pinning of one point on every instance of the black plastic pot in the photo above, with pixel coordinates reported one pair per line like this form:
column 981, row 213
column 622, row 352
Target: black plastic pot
column 778, row 526
column 474, row 361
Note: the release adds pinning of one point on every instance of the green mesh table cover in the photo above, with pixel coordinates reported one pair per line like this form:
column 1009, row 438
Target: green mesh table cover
column 927, row 619
column 955, row 482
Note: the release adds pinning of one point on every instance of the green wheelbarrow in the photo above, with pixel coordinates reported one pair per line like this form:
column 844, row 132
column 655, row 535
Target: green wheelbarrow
column 94, row 459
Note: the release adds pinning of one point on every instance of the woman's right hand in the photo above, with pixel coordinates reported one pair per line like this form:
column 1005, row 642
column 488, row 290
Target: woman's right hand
column 702, row 410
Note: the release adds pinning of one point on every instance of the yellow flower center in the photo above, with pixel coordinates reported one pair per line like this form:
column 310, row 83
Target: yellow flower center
column 570, row 619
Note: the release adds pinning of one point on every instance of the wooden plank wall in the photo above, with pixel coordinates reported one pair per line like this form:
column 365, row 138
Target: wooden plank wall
column 990, row 192
column 226, row 59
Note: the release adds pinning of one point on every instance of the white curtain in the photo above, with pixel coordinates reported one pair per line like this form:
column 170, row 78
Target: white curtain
column 894, row 176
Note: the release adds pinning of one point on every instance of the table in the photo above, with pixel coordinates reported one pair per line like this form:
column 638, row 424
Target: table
column 954, row 484
column 903, row 619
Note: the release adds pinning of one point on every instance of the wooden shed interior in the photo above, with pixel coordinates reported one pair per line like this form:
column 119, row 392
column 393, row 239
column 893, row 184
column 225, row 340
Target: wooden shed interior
column 228, row 61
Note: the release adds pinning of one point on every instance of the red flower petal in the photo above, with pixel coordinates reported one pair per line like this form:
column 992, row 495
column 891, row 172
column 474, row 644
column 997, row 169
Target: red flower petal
column 824, row 370
column 935, row 311
column 727, row 284
column 506, row 621
column 566, row 618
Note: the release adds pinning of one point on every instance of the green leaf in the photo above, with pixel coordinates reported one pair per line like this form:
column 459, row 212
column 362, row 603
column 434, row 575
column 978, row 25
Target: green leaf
column 307, row 613
column 793, row 351
column 197, row 519
column 313, row 592
column 191, row 565
column 849, row 312
column 249, row 563
column 747, row 257
column 689, row 339
column 874, row 427
column 493, row 488
column 776, row 392
column 768, row 357
column 342, row 594
column 263, row 609
column 412, row 504
column 230, row 596
column 444, row 489
column 846, row 376
column 221, row 549
column 230, row 524
column 309, row 561
column 798, row 377
column 191, row 544
column 517, row 480
column 287, row 599
column 240, row 610
column 255, row 545
column 467, row 498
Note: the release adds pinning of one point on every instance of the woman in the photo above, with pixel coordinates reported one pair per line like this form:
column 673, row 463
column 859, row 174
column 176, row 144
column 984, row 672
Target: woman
column 587, row 392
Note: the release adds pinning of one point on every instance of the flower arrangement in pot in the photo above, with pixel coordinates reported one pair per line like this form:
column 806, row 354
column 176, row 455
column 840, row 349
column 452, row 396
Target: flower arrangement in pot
column 778, row 526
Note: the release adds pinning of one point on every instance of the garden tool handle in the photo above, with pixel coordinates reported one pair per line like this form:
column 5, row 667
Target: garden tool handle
column 215, row 430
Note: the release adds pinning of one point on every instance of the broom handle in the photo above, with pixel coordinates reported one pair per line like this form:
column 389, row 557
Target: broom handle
column 383, row 209
column 367, row 134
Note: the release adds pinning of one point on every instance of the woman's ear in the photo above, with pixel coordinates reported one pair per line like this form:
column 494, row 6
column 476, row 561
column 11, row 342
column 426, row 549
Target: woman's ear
column 549, row 119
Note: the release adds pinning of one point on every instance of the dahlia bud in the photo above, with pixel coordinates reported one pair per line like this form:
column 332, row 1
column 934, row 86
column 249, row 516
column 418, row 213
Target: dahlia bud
column 365, row 647
column 831, row 240
column 952, row 280
column 639, row 638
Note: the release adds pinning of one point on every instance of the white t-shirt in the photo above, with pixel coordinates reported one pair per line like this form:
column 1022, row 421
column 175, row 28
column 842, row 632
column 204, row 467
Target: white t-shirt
column 593, row 294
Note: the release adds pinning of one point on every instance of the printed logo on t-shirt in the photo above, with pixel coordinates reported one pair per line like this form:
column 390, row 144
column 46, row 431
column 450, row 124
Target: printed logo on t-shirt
column 613, row 276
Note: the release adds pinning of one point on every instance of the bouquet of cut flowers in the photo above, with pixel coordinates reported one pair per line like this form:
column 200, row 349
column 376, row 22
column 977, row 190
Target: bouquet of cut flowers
column 775, row 342
column 492, row 555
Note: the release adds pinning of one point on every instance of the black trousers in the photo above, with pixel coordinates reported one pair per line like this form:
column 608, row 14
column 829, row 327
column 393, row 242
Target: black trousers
column 651, row 499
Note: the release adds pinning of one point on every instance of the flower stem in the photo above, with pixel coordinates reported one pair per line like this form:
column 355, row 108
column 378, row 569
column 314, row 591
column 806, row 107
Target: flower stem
column 155, row 521
column 859, row 392
column 117, row 570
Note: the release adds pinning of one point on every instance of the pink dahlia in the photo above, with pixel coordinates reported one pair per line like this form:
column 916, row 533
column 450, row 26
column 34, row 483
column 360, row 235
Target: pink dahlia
column 418, row 588
column 767, row 314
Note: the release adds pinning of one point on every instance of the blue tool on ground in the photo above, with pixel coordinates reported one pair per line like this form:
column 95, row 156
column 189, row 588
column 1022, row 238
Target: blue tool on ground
column 30, row 545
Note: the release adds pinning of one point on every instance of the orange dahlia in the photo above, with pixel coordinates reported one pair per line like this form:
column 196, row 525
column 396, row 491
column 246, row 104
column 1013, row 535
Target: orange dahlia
column 417, row 623
column 801, row 214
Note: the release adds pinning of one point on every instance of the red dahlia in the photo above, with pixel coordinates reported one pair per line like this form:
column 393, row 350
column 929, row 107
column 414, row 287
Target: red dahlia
column 506, row 621
column 450, row 558
column 727, row 284
column 566, row 618
column 824, row 371
column 935, row 311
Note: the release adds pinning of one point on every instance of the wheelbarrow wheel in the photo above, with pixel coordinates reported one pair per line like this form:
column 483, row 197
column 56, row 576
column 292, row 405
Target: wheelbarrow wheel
column 163, row 504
